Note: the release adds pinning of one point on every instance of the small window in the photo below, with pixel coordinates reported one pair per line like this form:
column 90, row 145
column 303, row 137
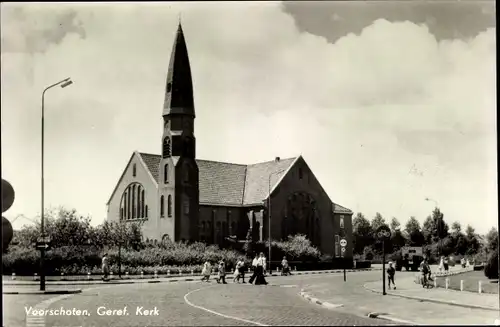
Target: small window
column 186, row 207
column 337, row 239
column 341, row 221
column 169, row 206
column 134, row 170
column 169, row 87
column 146, row 211
column 165, row 174
column 300, row 173
column 162, row 206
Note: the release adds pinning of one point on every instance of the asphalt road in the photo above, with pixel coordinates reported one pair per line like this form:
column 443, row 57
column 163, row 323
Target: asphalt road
column 194, row 304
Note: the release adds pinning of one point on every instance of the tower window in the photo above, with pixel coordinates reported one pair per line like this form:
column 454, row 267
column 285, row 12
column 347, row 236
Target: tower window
column 186, row 207
column 165, row 174
column 166, row 147
column 162, row 206
column 341, row 221
column 169, row 87
column 300, row 173
column 169, row 206
column 134, row 170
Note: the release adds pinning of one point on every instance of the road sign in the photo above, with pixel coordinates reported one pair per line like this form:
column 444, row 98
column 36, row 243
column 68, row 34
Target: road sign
column 43, row 239
column 7, row 232
column 7, row 195
column 42, row 245
column 383, row 232
column 343, row 249
column 343, row 242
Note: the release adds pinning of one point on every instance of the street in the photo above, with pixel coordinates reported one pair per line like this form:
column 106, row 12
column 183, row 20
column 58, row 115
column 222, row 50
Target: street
column 191, row 303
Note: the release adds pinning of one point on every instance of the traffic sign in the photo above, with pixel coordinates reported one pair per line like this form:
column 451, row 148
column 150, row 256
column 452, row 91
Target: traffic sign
column 7, row 195
column 383, row 232
column 343, row 242
column 343, row 249
column 7, row 232
column 43, row 239
column 42, row 245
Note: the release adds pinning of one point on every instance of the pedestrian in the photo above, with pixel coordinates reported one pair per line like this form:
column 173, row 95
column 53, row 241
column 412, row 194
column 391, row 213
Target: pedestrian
column 445, row 264
column 391, row 272
column 462, row 262
column 254, row 268
column 222, row 272
column 260, row 279
column 441, row 264
column 105, row 267
column 264, row 265
column 238, row 271
column 207, row 271
column 285, row 268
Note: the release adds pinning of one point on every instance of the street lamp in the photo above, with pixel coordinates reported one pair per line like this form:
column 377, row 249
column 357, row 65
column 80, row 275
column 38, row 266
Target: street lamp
column 63, row 84
column 269, row 213
column 438, row 227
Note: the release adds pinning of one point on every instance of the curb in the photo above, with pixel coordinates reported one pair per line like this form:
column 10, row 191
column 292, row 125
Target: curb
column 162, row 280
column 385, row 316
column 424, row 299
column 314, row 300
column 45, row 292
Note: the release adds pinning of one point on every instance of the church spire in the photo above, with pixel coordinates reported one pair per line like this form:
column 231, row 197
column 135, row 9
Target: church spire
column 179, row 89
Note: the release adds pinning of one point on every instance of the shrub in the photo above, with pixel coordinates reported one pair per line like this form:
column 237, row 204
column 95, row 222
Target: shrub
column 491, row 268
column 367, row 253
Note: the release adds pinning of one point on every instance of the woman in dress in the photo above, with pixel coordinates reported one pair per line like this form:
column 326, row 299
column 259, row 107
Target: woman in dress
column 207, row 271
column 238, row 272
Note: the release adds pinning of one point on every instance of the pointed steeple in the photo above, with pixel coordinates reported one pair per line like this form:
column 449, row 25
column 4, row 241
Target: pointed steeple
column 179, row 88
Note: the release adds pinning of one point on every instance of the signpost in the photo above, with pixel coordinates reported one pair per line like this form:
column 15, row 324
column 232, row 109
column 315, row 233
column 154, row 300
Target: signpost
column 343, row 244
column 8, row 196
column 383, row 234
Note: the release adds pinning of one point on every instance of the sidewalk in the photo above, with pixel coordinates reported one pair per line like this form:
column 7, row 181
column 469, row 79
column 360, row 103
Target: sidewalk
column 407, row 288
column 352, row 297
column 81, row 280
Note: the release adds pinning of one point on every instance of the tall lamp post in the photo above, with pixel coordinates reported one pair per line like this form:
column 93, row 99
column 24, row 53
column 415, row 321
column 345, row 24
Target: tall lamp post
column 63, row 84
column 269, row 213
column 439, row 227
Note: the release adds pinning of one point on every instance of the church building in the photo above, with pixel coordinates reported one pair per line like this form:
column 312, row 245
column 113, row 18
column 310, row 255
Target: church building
column 180, row 197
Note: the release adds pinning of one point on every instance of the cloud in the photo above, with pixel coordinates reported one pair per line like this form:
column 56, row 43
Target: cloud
column 34, row 28
column 363, row 110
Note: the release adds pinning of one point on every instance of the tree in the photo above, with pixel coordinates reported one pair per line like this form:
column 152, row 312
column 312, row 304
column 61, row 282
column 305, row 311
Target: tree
column 362, row 233
column 378, row 221
column 395, row 225
column 415, row 235
column 492, row 240
column 456, row 228
column 473, row 244
column 435, row 228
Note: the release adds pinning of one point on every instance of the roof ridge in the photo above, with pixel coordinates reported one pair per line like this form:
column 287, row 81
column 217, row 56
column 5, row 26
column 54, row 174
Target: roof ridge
column 244, row 186
column 270, row 161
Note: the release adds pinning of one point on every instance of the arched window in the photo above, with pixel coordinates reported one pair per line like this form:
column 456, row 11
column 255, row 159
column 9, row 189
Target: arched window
column 166, row 147
column 134, row 207
column 162, row 206
column 165, row 174
column 142, row 204
column 169, row 206
column 133, row 204
column 134, row 170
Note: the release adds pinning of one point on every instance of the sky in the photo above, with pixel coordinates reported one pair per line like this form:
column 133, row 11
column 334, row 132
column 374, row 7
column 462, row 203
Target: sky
column 388, row 102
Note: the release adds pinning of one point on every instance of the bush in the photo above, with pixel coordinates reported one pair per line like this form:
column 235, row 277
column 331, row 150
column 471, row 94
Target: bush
column 368, row 253
column 491, row 268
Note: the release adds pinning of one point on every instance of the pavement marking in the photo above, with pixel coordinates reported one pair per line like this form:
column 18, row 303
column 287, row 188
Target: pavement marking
column 388, row 317
column 217, row 313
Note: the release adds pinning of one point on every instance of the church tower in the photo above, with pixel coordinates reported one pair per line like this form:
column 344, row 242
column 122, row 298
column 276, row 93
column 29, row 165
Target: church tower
column 178, row 171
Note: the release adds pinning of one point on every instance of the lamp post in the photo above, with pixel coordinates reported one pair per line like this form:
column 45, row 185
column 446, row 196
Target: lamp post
column 269, row 213
column 63, row 84
column 438, row 227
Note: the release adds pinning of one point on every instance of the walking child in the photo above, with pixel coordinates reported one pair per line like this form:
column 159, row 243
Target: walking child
column 222, row 272
column 391, row 271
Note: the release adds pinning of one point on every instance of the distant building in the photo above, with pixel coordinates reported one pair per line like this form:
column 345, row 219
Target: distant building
column 180, row 197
